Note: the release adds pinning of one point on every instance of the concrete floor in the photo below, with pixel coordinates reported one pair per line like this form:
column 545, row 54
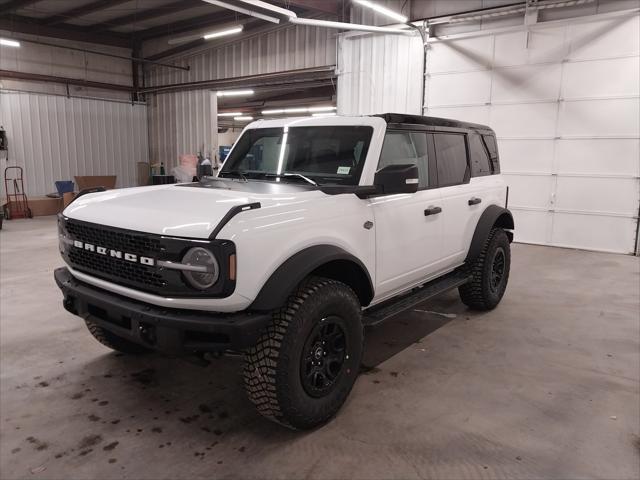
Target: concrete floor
column 545, row 386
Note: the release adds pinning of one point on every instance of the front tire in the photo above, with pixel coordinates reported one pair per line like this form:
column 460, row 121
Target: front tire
column 113, row 341
column 490, row 273
column 305, row 363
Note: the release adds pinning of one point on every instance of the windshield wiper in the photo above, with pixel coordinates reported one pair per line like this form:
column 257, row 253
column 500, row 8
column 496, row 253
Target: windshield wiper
column 288, row 175
column 237, row 173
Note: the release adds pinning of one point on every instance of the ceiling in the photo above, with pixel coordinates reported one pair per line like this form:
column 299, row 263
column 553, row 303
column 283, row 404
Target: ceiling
column 125, row 23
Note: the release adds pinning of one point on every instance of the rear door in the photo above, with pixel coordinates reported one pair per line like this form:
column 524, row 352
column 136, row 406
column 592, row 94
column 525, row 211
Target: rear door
column 408, row 237
column 461, row 198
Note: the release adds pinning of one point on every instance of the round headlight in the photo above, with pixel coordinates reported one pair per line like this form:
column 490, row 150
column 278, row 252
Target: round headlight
column 205, row 268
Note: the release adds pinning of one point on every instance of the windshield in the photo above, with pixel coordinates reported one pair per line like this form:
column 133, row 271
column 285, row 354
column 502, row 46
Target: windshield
column 320, row 155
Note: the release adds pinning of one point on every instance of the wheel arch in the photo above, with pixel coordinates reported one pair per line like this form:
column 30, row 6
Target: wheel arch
column 493, row 216
column 323, row 260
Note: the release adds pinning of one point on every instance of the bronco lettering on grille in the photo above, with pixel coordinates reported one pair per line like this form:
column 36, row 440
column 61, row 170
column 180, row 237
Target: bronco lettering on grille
column 129, row 257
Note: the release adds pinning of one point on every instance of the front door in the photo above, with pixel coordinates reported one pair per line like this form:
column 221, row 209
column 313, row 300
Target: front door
column 408, row 226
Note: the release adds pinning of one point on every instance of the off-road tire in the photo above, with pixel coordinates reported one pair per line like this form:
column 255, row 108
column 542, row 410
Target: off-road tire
column 273, row 372
column 479, row 294
column 113, row 341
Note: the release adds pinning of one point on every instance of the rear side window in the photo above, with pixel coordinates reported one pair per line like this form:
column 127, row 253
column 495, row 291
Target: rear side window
column 406, row 148
column 451, row 156
column 480, row 165
column 492, row 148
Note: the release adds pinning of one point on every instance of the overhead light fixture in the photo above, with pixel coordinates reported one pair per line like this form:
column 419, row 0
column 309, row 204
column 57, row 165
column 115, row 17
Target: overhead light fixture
column 243, row 119
column 351, row 26
column 9, row 43
column 234, row 93
column 383, row 10
column 223, row 33
column 230, row 114
column 252, row 13
column 326, row 114
column 281, row 111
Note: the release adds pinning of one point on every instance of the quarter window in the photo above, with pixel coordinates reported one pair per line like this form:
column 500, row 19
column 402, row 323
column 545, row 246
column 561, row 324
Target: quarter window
column 480, row 165
column 451, row 155
column 490, row 142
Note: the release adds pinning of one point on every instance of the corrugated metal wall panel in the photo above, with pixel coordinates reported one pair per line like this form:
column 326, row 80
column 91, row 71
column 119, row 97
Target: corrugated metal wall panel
column 54, row 138
column 379, row 73
column 180, row 123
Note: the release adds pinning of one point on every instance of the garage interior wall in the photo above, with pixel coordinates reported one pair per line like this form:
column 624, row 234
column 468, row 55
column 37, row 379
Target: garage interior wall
column 173, row 115
column 56, row 132
column 563, row 98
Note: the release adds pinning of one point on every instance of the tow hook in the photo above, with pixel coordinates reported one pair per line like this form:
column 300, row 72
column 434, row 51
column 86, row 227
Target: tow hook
column 148, row 333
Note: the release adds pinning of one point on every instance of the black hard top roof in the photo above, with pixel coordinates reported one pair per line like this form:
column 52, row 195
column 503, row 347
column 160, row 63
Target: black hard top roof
column 429, row 121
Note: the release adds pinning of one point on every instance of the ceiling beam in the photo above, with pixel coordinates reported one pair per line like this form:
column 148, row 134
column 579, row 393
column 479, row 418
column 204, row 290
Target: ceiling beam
column 14, row 5
column 140, row 16
column 81, row 11
column 203, row 21
column 18, row 24
column 332, row 7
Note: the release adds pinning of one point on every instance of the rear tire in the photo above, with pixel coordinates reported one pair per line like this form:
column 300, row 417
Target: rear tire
column 114, row 342
column 490, row 273
column 306, row 361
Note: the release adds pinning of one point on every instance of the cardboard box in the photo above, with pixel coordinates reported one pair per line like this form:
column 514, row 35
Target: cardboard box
column 91, row 181
column 41, row 206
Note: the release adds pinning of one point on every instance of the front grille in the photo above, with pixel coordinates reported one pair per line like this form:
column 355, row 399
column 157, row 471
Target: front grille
column 136, row 275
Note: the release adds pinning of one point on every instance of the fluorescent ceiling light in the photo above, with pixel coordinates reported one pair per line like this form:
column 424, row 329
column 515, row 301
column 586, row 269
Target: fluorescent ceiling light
column 235, row 93
column 327, row 114
column 230, row 114
column 243, row 119
column 280, row 111
column 268, row 6
column 351, row 26
column 9, row 43
column 222, row 33
column 246, row 11
column 384, row 11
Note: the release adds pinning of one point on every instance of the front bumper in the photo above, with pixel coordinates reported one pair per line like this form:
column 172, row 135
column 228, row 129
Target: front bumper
column 167, row 330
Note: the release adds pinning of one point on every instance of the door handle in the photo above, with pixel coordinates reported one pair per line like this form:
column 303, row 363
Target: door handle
column 432, row 211
column 474, row 200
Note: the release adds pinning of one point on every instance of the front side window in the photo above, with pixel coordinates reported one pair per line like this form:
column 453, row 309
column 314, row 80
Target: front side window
column 401, row 147
column 451, row 155
column 325, row 155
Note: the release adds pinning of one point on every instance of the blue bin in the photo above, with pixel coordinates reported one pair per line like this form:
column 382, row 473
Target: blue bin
column 64, row 186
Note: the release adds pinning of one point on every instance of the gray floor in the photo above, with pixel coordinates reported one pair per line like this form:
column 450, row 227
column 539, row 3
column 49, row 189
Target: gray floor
column 545, row 386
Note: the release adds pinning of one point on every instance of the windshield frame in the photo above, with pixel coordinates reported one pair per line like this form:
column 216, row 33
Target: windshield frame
column 296, row 175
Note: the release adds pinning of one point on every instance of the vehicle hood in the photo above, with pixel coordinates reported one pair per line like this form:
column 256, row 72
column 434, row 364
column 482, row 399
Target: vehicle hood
column 185, row 210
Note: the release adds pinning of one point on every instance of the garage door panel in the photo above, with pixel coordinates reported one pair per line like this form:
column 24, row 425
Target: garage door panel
column 531, row 226
column 527, row 83
column 453, row 89
column 529, row 190
column 594, row 232
column 528, row 120
column 545, row 45
column 599, row 156
column 605, row 38
column 467, row 114
column 594, row 78
column 600, row 118
column 461, row 55
column 611, row 195
column 526, row 155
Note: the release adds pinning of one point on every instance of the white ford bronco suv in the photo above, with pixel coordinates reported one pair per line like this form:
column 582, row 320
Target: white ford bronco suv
column 313, row 229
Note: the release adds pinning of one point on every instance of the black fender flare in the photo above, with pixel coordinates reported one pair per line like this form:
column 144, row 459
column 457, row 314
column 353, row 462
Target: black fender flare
column 291, row 272
column 493, row 215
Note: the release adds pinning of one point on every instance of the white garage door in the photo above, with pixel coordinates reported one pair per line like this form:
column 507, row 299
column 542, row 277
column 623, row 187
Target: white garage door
column 564, row 101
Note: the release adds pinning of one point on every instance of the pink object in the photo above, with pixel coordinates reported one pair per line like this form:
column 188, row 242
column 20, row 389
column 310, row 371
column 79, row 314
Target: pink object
column 189, row 161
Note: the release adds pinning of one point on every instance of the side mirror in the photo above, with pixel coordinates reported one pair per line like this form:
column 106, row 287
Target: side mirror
column 397, row 179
